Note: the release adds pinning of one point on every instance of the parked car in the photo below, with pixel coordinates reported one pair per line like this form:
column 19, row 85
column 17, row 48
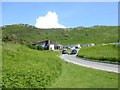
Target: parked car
column 64, row 51
column 74, row 51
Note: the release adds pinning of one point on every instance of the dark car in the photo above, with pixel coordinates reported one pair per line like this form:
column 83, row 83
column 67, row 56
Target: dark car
column 74, row 51
column 64, row 52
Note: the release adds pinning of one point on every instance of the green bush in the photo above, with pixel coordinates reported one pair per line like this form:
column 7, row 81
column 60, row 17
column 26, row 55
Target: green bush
column 11, row 37
column 40, row 47
column 32, row 46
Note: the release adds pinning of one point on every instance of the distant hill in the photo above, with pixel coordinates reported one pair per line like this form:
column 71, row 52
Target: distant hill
column 24, row 33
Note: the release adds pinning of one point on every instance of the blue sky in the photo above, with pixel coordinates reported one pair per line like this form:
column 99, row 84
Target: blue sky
column 69, row 14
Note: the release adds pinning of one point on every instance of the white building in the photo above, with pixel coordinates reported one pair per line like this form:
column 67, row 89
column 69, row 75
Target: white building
column 75, row 45
column 51, row 46
column 55, row 46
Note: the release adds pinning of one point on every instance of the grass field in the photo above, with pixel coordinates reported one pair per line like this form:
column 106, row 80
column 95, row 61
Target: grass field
column 108, row 53
column 75, row 76
column 96, row 35
column 26, row 68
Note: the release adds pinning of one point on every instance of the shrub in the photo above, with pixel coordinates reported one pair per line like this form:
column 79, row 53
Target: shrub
column 40, row 47
column 32, row 46
column 66, row 35
column 11, row 37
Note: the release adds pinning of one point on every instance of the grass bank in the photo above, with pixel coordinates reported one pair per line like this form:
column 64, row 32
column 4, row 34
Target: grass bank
column 26, row 68
column 75, row 76
column 107, row 53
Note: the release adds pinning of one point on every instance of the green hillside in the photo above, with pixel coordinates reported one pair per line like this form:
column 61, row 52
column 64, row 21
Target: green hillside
column 23, row 67
column 27, row 68
column 27, row 34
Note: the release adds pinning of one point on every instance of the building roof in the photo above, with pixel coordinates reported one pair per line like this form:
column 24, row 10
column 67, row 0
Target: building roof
column 57, row 44
column 40, row 42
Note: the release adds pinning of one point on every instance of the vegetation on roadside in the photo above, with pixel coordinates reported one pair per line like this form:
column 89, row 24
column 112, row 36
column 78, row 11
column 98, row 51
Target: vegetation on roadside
column 75, row 76
column 105, row 53
column 27, row 68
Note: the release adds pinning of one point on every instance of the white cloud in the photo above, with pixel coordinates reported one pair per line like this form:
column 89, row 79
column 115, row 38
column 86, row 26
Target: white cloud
column 50, row 20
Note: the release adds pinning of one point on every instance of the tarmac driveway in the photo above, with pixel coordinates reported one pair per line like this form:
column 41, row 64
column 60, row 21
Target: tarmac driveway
column 91, row 64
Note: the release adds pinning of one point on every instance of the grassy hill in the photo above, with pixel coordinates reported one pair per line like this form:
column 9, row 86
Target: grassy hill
column 23, row 67
column 27, row 68
column 28, row 34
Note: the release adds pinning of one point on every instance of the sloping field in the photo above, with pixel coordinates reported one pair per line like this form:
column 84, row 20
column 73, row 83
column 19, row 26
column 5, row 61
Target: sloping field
column 24, row 67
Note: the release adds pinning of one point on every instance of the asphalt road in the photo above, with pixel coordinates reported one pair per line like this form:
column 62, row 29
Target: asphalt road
column 91, row 64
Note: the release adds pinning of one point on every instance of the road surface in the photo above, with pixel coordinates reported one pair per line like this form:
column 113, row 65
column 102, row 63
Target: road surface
column 91, row 64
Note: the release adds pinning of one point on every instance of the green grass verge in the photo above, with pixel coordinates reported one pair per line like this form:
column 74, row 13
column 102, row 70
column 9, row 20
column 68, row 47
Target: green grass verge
column 107, row 53
column 75, row 76
column 26, row 68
